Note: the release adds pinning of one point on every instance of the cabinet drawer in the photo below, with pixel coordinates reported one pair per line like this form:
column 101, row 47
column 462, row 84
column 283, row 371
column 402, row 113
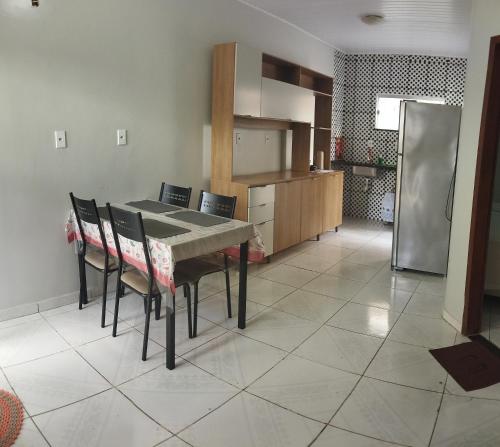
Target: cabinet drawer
column 261, row 213
column 260, row 195
column 266, row 231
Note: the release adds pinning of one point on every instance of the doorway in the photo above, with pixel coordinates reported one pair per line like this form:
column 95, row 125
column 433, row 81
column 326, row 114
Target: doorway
column 483, row 196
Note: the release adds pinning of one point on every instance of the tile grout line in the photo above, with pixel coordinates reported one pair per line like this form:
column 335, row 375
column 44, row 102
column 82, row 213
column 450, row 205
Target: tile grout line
column 112, row 387
column 441, row 401
column 361, row 376
column 228, row 331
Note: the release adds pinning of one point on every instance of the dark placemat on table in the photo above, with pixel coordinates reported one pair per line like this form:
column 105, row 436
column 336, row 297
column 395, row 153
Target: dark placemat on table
column 153, row 207
column 201, row 219
column 162, row 230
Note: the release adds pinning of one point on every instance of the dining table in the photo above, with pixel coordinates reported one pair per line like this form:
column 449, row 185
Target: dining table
column 173, row 234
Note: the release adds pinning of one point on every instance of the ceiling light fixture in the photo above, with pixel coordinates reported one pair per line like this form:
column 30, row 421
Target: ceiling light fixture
column 372, row 19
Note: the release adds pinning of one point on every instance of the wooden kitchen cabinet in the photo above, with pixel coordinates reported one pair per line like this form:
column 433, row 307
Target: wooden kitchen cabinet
column 333, row 190
column 311, row 208
column 287, row 214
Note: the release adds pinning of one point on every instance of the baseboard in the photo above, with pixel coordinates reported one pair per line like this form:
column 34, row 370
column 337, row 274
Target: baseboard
column 47, row 304
column 450, row 320
column 18, row 311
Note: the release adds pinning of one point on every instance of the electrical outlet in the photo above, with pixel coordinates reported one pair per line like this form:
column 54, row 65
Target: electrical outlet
column 268, row 139
column 60, row 139
column 121, row 137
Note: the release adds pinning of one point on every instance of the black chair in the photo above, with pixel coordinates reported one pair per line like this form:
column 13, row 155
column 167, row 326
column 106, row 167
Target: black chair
column 86, row 212
column 129, row 225
column 175, row 195
column 199, row 267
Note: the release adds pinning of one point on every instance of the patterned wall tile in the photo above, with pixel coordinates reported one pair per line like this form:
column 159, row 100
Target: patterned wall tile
column 358, row 80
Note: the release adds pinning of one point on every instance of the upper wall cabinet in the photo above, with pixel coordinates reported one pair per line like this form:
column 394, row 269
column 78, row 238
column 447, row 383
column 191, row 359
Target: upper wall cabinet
column 247, row 84
column 281, row 100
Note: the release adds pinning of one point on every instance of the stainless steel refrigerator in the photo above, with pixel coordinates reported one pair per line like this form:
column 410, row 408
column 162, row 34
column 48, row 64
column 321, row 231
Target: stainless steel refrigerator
column 427, row 153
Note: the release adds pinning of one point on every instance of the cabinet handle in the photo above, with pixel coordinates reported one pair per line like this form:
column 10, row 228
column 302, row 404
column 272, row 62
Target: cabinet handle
column 262, row 223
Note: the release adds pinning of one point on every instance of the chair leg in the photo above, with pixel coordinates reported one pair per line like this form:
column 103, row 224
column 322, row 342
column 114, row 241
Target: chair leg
column 122, row 291
column 83, row 282
column 195, row 314
column 149, row 301
column 170, row 329
column 187, row 292
column 104, row 296
column 117, row 304
column 228, row 287
column 145, row 305
column 157, row 307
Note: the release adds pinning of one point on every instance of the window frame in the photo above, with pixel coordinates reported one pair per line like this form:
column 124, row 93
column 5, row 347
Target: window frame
column 416, row 98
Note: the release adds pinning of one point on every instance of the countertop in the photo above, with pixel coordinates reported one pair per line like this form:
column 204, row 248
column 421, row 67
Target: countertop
column 269, row 178
column 369, row 165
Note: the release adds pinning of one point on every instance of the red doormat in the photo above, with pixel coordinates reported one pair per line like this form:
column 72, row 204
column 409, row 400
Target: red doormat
column 473, row 365
column 11, row 418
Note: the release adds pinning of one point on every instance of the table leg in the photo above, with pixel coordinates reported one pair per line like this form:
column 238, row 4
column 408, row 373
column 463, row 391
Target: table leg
column 83, row 280
column 242, row 299
column 171, row 335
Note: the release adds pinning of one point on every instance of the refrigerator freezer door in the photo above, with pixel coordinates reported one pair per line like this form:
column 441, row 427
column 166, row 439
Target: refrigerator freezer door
column 427, row 165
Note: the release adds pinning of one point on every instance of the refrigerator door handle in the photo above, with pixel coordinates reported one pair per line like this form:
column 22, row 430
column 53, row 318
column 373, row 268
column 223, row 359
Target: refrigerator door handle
column 449, row 200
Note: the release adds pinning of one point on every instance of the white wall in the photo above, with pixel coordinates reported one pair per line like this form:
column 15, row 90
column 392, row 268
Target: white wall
column 485, row 24
column 259, row 150
column 91, row 67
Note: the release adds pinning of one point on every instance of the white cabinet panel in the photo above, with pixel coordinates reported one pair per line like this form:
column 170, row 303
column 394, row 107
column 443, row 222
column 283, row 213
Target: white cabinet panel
column 262, row 213
column 247, row 89
column 287, row 101
column 266, row 231
column 259, row 195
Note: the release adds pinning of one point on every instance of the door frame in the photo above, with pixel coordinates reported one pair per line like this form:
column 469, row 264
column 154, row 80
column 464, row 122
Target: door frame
column 483, row 195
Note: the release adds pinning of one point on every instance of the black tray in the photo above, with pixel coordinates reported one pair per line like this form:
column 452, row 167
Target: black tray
column 153, row 207
column 201, row 219
column 162, row 230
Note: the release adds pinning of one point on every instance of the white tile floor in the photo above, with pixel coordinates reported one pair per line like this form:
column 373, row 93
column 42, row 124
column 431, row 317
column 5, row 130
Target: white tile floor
column 335, row 354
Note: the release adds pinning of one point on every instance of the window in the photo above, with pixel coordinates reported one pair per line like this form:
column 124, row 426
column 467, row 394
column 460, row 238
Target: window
column 387, row 115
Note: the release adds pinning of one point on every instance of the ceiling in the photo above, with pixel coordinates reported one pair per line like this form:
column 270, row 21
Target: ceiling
column 430, row 27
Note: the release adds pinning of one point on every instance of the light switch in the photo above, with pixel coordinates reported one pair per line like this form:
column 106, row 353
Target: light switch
column 237, row 138
column 121, row 137
column 60, row 139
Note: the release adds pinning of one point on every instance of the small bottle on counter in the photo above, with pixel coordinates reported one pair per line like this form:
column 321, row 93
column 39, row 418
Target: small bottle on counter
column 369, row 152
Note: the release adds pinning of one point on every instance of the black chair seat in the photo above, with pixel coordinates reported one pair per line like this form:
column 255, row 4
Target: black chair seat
column 192, row 270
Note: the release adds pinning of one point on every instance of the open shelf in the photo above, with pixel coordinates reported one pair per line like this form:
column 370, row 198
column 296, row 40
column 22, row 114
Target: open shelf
column 285, row 71
column 280, row 70
column 323, row 112
column 316, row 81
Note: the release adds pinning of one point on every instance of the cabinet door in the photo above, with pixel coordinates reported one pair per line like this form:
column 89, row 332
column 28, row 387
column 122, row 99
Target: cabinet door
column 311, row 208
column 333, row 193
column 287, row 215
column 248, row 81
column 281, row 100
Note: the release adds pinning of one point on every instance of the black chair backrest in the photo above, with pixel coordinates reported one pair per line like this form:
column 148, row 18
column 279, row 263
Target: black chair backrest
column 217, row 204
column 86, row 211
column 130, row 226
column 175, row 195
